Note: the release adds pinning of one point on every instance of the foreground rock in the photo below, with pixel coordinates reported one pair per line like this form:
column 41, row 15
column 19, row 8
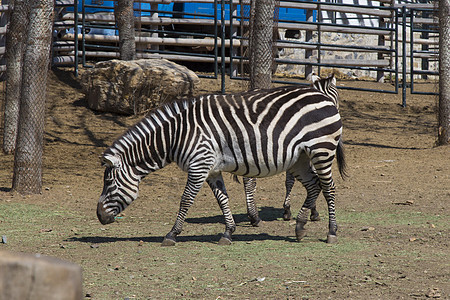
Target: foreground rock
column 27, row 276
column 134, row 87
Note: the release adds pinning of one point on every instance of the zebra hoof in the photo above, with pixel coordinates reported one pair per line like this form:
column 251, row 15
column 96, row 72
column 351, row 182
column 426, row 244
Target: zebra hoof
column 224, row 241
column 315, row 218
column 300, row 234
column 168, row 242
column 287, row 216
column 331, row 239
column 256, row 222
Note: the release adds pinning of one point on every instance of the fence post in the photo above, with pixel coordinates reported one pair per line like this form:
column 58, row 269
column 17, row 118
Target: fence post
column 154, row 14
column 404, row 62
column 308, row 39
column 381, row 42
column 27, row 177
column 261, row 38
column 444, row 73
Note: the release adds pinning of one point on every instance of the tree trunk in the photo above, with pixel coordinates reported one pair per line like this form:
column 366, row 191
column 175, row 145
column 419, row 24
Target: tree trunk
column 123, row 14
column 15, row 48
column 29, row 148
column 261, row 43
column 444, row 73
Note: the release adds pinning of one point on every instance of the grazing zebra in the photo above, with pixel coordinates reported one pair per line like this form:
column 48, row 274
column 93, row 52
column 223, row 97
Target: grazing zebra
column 254, row 134
column 328, row 87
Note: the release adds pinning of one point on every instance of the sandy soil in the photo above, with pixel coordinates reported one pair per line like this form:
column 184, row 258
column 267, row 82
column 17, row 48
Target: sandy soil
column 395, row 172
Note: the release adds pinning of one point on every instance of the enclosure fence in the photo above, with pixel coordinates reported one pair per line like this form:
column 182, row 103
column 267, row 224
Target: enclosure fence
column 390, row 41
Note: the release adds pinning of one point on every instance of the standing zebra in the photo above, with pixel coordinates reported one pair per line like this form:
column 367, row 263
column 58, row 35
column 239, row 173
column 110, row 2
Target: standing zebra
column 328, row 87
column 254, row 134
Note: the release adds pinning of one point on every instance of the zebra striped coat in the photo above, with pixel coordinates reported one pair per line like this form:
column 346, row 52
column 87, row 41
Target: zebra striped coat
column 328, row 87
column 254, row 134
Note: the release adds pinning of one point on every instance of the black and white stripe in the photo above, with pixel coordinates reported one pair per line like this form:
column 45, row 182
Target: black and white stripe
column 254, row 134
column 328, row 87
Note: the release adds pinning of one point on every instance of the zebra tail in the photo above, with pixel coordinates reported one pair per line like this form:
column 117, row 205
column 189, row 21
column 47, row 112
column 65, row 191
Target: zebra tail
column 340, row 157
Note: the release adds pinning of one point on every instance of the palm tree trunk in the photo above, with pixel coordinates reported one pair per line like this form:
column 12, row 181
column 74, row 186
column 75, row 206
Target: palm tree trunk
column 15, row 48
column 123, row 14
column 444, row 73
column 29, row 147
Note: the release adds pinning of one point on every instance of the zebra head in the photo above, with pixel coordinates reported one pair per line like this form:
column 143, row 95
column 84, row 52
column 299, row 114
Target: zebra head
column 326, row 86
column 120, row 188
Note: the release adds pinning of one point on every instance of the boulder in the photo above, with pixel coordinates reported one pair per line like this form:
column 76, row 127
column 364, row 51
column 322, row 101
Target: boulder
column 137, row 86
column 38, row 277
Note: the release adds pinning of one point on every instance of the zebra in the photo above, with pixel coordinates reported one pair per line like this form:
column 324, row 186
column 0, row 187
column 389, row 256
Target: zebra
column 328, row 87
column 253, row 134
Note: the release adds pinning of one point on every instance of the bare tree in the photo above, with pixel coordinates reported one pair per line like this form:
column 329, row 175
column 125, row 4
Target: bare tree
column 29, row 147
column 124, row 15
column 15, row 48
column 444, row 73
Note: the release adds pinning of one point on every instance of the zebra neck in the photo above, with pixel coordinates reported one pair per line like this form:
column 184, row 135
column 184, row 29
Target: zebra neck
column 154, row 148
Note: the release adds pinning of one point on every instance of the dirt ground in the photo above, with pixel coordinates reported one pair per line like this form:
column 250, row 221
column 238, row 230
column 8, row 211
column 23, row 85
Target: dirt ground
column 393, row 213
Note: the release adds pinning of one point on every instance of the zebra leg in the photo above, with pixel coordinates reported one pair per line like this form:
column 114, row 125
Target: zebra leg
column 309, row 206
column 218, row 187
column 252, row 210
column 314, row 214
column 322, row 164
column 329, row 191
column 290, row 179
column 305, row 174
column 193, row 186
column 289, row 183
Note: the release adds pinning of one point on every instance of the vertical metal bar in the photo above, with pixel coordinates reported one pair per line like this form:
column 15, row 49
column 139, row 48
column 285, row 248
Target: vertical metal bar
column 231, row 39
column 319, row 19
column 396, row 51
column 381, row 42
column 411, row 49
column 404, row 56
column 222, row 44
column 309, row 39
column 75, row 31
column 83, row 24
column 216, row 52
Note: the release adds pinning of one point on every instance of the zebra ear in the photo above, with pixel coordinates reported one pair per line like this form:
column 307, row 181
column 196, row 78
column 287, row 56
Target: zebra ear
column 314, row 78
column 110, row 161
column 332, row 79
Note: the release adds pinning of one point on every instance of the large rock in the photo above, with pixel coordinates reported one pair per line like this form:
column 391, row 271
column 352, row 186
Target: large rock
column 134, row 87
column 28, row 276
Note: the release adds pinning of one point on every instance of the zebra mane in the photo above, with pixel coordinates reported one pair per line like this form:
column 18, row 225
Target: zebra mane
column 156, row 115
column 173, row 108
column 327, row 86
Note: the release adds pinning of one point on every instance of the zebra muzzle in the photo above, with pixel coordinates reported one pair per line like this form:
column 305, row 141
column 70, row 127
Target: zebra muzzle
column 103, row 216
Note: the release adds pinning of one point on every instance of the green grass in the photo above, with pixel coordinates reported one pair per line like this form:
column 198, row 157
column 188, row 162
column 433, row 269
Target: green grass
column 272, row 267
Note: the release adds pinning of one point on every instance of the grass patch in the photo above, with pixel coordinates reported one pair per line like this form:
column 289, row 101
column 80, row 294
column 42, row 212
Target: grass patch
column 29, row 224
column 391, row 217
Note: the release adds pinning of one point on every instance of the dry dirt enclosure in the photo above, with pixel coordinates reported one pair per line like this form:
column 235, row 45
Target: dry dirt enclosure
column 393, row 213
